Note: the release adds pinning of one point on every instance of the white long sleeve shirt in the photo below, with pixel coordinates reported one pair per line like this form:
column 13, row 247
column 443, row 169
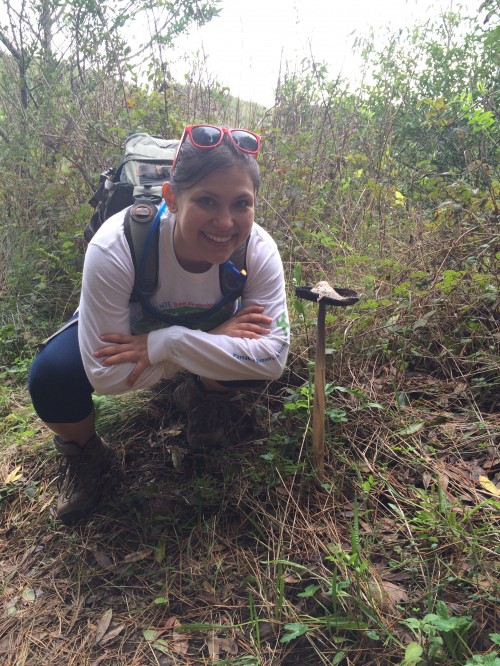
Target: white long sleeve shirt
column 108, row 280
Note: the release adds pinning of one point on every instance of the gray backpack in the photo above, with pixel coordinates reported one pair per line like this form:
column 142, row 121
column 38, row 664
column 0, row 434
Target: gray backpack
column 144, row 168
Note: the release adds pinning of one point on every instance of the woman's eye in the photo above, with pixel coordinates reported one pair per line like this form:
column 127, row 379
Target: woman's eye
column 243, row 203
column 206, row 201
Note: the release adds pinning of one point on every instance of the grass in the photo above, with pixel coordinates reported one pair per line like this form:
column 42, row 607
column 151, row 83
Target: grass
column 240, row 557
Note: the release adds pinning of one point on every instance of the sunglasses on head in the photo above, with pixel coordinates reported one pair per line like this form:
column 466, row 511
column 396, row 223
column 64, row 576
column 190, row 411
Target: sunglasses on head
column 211, row 136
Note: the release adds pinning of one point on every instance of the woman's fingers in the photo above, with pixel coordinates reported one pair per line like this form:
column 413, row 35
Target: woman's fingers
column 253, row 313
column 112, row 350
column 117, row 358
column 255, row 319
column 254, row 328
column 250, row 308
column 120, row 344
column 125, row 349
column 118, row 338
column 236, row 329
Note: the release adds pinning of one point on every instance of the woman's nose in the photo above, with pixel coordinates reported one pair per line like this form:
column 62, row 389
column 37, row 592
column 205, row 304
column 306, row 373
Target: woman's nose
column 224, row 219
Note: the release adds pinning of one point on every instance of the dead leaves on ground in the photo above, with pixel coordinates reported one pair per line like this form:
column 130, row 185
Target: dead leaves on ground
column 108, row 565
column 102, row 635
column 173, row 637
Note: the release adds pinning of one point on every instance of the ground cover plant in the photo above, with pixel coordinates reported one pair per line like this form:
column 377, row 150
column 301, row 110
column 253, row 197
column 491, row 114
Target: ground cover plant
column 241, row 557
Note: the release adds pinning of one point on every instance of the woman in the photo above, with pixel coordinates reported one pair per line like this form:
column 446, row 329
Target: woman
column 116, row 346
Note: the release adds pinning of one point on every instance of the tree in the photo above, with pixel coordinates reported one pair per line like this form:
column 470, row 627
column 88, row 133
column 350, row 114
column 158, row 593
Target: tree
column 85, row 36
column 70, row 90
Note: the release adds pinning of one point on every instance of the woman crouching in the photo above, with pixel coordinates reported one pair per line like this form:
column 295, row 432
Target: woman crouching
column 226, row 340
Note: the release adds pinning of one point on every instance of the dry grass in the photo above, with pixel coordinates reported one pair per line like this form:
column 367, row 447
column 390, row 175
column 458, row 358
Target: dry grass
column 213, row 554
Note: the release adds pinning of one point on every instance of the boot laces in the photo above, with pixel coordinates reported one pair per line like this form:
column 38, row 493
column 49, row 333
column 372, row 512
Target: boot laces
column 76, row 472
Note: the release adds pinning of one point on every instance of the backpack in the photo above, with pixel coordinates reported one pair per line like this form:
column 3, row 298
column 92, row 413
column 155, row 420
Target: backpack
column 137, row 184
column 144, row 168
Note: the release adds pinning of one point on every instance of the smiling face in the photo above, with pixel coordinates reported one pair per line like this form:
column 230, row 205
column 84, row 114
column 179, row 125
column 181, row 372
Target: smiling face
column 213, row 217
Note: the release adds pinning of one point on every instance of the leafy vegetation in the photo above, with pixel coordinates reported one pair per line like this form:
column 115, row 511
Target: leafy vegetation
column 242, row 557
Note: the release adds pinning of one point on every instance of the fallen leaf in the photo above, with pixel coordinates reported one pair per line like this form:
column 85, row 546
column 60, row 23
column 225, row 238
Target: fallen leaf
column 387, row 594
column 13, row 476
column 102, row 560
column 475, row 470
column 490, row 464
column 459, row 388
column 171, row 623
column 444, row 417
column 228, row 646
column 208, row 588
column 444, row 481
column 489, row 486
column 427, row 479
column 177, row 457
column 266, row 630
column 113, row 633
column 162, row 646
column 366, row 528
column 28, row 595
column 137, row 556
column 103, row 625
column 396, row 576
column 180, row 643
column 395, row 592
column 5, row 644
column 411, row 429
column 172, row 432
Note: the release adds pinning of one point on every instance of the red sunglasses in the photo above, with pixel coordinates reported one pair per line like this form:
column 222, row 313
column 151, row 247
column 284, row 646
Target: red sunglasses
column 210, row 136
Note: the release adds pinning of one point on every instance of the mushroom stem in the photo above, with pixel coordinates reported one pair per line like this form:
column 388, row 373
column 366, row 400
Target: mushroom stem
column 319, row 397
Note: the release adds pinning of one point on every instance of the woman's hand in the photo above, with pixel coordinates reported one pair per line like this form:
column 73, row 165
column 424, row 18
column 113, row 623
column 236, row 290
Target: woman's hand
column 125, row 349
column 246, row 323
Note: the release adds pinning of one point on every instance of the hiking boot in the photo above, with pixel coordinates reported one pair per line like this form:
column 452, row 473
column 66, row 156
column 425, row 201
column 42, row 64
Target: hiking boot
column 81, row 477
column 205, row 424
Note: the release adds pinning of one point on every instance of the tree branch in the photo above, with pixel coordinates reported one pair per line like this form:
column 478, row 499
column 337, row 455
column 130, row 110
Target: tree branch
column 15, row 53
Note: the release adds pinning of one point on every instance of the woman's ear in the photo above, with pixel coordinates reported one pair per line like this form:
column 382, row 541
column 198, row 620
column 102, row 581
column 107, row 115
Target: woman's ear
column 169, row 196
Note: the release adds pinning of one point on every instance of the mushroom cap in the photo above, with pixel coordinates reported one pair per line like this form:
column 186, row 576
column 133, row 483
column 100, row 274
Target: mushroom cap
column 328, row 295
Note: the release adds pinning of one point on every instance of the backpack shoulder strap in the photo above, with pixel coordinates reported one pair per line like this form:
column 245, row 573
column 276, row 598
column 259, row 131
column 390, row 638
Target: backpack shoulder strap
column 233, row 281
column 138, row 220
column 137, row 225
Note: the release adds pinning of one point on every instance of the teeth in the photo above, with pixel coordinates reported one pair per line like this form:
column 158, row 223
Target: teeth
column 218, row 239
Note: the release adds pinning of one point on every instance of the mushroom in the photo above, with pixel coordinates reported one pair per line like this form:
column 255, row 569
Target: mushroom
column 324, row 295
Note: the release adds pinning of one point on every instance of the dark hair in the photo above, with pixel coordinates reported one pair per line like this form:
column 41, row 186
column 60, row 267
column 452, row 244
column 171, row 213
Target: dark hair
column 193, row 164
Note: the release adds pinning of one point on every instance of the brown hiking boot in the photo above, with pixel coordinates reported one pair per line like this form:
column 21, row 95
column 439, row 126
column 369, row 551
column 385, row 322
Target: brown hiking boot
column 205, row 424
column 81, row 477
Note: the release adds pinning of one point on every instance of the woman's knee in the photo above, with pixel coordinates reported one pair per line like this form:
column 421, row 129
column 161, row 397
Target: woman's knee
column 49, row 373
column 58, row 385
